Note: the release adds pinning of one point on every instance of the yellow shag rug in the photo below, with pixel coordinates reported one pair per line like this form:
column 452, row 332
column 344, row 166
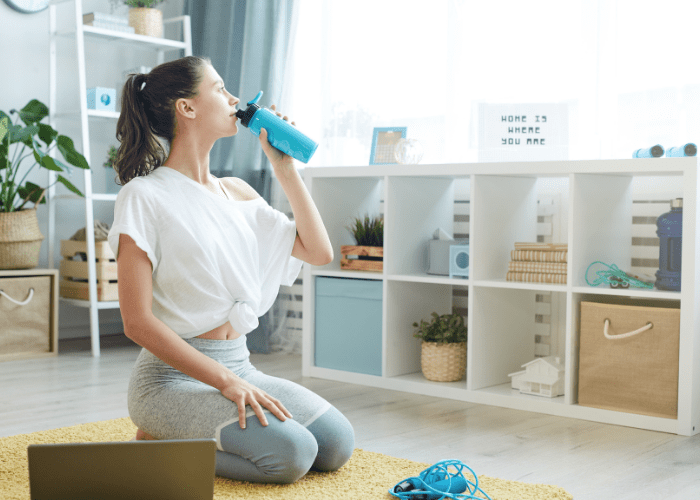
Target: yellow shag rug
column 366, row 475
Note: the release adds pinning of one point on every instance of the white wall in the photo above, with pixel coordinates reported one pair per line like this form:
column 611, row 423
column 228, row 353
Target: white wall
column 24, row 57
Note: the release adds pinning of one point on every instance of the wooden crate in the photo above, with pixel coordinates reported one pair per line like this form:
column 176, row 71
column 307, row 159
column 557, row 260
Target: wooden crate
column 28, row 329
column 74, row 273
column 364, row 258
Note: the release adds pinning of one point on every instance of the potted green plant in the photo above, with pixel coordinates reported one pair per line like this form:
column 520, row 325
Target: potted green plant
column 369, row 252
column 111, row 185
column 444, row 347
column 144, row 18
column 28, row 139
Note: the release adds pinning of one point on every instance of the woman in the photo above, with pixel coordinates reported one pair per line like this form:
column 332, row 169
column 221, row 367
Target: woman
column 199, row 260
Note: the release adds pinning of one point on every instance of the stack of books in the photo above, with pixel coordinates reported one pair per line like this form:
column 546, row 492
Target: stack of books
column 107, row 21
column 538, row 263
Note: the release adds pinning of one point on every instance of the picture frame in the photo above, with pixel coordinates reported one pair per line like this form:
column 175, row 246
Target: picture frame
column 384, row 140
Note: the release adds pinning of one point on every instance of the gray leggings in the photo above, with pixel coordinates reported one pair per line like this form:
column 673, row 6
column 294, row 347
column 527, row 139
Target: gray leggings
column 167, row 404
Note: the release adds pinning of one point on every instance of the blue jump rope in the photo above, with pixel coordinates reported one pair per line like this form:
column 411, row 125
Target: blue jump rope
column 606, row 277
column 437, row 482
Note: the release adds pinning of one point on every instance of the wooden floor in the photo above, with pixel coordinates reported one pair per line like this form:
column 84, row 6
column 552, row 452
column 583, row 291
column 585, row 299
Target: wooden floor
column 590, row 460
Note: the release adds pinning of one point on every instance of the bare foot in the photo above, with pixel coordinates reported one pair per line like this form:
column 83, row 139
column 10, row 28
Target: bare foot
column 142, row 436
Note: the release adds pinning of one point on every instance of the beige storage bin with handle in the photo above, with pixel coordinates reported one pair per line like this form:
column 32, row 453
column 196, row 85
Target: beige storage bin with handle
column 628, row 358
column 25, row 315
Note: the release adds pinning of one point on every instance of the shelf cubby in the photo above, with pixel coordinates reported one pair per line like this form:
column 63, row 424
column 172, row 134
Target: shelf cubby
column 406, row 303
column 416, row 207
column 504, row 210
column 502, row 336
column 340, row 200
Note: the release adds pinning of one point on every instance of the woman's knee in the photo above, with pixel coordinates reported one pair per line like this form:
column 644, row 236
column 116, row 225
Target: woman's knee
column 296, row 453
column 336, row 440
column 282, row 452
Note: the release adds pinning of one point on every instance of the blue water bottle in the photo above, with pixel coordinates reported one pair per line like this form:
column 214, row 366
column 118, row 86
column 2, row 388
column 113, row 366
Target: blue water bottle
column 280, row 133
column 670, row 232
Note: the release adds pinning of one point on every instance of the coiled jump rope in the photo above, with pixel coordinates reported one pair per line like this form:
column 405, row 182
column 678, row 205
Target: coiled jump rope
column 616, row 277
column 437, row 482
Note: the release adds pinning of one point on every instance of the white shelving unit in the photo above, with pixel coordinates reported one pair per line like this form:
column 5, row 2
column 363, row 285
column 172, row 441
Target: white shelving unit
column 81, row 34
column 503, row 210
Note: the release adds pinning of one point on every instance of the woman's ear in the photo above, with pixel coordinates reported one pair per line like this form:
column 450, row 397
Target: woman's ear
column 184, row 108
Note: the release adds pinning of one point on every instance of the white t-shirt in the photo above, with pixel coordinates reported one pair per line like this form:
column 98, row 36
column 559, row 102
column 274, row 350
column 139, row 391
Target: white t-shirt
column 214, row 260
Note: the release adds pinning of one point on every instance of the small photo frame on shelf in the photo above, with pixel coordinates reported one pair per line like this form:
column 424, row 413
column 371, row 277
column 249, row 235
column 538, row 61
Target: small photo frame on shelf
column 384, row 140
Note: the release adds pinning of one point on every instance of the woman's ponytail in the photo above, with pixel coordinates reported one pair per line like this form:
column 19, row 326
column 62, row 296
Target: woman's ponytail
column 148, row 113
column 139, row 151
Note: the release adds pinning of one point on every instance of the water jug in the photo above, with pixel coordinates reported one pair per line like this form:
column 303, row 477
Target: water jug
column 670, row 232
column 280, row 133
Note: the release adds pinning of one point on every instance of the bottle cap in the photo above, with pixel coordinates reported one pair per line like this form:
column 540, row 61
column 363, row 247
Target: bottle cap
column 677, row 203
column 246, row 115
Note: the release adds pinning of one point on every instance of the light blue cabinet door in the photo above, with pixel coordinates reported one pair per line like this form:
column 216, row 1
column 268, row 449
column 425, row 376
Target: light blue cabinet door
column 349, row 325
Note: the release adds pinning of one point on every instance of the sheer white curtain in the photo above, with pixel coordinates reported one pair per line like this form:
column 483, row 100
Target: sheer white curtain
column 626, row 69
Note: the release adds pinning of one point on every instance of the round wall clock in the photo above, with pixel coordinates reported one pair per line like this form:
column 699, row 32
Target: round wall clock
column 28, row 6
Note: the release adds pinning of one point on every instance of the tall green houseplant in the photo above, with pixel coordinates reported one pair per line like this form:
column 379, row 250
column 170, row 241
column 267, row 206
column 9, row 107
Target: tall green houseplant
column 33, row 142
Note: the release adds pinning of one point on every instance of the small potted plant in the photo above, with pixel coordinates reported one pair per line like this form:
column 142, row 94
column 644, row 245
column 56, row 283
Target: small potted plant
column 444, row 347
column 144, row 18
column 111, row 185
column 369, row 252
column 28, row 139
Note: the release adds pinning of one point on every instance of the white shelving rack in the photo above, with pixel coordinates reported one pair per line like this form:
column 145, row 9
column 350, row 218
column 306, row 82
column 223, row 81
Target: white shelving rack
column 81, row 34
column 503, row 210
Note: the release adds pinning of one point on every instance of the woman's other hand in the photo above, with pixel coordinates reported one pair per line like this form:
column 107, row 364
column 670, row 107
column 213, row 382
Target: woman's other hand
column 243, row 393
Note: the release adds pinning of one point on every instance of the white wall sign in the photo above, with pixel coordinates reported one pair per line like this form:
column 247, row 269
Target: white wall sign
column 514, row 132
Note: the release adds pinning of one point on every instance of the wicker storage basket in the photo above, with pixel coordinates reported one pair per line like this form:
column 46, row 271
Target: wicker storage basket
column 20, row 239
column 146, row 21
column 443, row 362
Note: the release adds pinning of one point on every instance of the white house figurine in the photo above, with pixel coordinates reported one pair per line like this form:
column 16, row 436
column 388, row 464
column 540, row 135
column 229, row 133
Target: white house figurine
column 541, row 377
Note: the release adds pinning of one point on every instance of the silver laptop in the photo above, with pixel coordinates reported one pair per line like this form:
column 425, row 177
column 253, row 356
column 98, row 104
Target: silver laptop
column 179, row 469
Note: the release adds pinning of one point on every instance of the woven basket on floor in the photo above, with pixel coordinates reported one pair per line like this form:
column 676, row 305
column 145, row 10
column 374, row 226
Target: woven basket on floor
column 20, row 239
column 444, row 362
column 146, row 21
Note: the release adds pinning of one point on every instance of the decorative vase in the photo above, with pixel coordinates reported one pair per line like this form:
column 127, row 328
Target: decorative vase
column 408, row 151
column 443, row 362
column 20, row 239
column 146, row 21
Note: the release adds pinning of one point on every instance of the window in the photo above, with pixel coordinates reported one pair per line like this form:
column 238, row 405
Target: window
column 626, row 70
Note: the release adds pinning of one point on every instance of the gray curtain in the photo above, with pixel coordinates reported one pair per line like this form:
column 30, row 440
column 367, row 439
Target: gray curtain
column 249, row 44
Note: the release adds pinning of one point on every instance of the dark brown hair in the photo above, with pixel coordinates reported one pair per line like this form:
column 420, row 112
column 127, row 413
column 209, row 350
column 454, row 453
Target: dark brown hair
column 148, row 113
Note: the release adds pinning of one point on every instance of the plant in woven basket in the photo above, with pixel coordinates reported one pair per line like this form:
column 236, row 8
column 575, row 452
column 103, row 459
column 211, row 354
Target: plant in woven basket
column 444, row 329
column 444, row 347
column 19, row 141
column 368, row 232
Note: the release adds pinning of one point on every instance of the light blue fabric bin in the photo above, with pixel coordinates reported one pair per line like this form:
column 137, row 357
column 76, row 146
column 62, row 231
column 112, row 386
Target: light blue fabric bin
column 349, row 325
